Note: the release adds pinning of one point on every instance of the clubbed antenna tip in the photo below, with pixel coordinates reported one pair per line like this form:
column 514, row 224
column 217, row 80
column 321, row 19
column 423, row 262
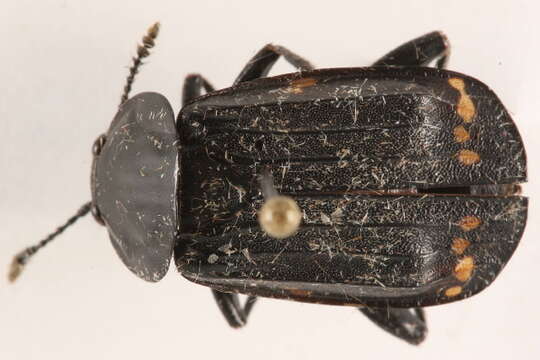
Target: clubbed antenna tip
column 15, row 269
column 21, row 259
column 148, row 42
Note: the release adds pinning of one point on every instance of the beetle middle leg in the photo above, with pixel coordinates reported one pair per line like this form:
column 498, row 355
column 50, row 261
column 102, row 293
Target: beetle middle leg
column 230, row 306
column 406, row 324
column 264, row 59
column 419, row 52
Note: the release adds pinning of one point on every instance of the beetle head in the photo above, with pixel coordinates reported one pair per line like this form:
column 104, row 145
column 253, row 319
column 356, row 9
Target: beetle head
column 134, row 180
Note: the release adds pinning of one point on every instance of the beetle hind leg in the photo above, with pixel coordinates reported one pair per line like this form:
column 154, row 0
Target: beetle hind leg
column 406, row 324
column 234, row 313
column 419, row 52
column 264, row 59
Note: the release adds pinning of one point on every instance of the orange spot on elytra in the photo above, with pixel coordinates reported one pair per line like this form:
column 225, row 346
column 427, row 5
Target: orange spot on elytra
column 457, row 84
column 465, row 107
column 464, row 268
column 469, row 223
column 468, row 157
column 459, row 245
column 461, row 134
column 297, row 86
column 453, row 291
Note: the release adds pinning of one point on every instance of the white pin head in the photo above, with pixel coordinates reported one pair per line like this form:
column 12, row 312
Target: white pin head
column 280, row 216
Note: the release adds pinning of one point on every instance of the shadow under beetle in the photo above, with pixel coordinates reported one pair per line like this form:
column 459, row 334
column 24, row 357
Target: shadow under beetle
column 405, row 177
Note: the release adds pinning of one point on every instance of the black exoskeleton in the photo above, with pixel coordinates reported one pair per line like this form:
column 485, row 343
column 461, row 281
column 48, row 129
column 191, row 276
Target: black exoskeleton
column 393, row 187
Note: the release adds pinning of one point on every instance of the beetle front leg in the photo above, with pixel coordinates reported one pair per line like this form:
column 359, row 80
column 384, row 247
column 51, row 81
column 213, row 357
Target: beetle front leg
column 193, row 84
column 419, row 52
column 406, row 324
column 264, row 59
column 229, row 305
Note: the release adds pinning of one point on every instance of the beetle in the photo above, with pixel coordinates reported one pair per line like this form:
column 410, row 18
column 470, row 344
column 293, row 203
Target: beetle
column 388, row 188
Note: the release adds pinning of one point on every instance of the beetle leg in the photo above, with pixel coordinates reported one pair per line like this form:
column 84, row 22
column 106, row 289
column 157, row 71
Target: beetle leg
column 230, row 306
column 193, row 84
column 406, row 324
column 264, row 59
column 419, row 52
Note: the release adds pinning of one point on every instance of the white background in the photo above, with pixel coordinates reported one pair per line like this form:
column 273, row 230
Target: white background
column 62, row 67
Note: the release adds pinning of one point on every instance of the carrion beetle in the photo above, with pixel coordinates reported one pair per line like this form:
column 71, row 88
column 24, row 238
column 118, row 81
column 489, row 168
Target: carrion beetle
column 388, row 188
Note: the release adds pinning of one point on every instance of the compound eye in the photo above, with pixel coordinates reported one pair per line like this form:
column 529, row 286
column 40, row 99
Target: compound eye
column 98, row 145
column 96, row 150
column 97, row 215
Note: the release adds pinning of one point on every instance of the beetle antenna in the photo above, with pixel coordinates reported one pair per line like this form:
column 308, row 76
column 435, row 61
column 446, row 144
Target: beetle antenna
column 148, row 42
column 280, row 215
column 21, row 259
